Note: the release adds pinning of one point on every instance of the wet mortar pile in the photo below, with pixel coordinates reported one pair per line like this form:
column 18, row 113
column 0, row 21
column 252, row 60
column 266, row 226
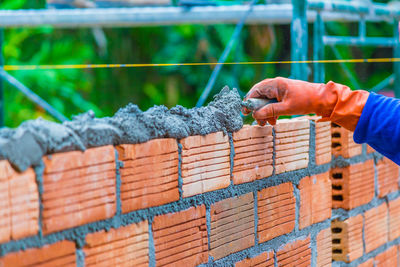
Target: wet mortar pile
column 25, row 145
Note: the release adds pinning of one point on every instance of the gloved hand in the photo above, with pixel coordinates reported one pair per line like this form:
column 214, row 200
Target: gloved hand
column 332, row 101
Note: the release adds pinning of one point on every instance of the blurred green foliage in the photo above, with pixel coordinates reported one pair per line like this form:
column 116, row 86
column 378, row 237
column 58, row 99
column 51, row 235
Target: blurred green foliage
column 75, row 91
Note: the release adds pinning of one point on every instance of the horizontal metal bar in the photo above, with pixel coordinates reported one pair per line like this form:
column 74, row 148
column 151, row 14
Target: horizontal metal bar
column 357, row 41
column 358, row 7
column 31, row 95
column 148, row 16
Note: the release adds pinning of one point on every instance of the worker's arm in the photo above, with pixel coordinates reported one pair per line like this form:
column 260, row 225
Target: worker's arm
column 379, row 126
column 372, row 117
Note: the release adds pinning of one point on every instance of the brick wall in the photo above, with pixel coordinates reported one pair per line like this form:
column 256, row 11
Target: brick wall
column 262, row 196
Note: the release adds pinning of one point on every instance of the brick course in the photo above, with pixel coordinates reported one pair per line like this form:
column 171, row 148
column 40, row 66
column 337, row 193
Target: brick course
column 232, row 225
column 376, row 227
column 205, row 163
column 149, row 176
column 265, row 259
column 388, row 177
column 297, row 253
column 181, row 238
column 57, row 254
column 387, row 258
column 347, row 240
column 253, row 153
column 343, row 143
column 315, row 199
column 324, row 248
column 78, row 188
column 125, row 246
column 353, row 186
column 276, row 211
column 19, row 203
column 291, row 145
column 394, row 219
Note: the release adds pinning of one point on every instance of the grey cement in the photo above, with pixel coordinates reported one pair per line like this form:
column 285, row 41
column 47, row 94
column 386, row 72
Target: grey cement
column 25, row 145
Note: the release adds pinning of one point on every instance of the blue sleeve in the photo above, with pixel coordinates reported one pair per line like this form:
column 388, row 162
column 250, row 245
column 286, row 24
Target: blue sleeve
column 379, row 126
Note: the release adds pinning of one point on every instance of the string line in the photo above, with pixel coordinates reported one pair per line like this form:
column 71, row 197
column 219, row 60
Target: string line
column 138, row 65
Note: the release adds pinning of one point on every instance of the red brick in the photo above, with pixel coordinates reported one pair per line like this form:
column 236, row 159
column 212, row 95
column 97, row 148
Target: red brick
column 315, row 199
column 323, row 141
column 394, row 219
column 297, row 253
column 265, row 259
column 205, row 163
column 77, row 159
column 125, row 246
column 388, row 177
column 368, row 263
column 149, row 176
column 387, row 258
column 78, row 188
column 276, row 211
column 291, row 144
column 57, row 254
column 253, row 153
column 324, row 248
column 353, row 186
column 343, row 143
column 19, row 203
column 376, row 227
column 347, row 239
column 199, row 140
column 232, row 225
column 180, row 238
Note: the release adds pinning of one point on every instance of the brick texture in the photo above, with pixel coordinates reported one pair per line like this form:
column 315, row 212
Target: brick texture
column 276, row 211
column 353, row 186
column 149, row 176
column 265, row 259
column 205, row 163
column 253, row 153
column 388, row 177
column 232, row 225
column 180, row 239
column 387, row 258
column 347, row 240
column 315, row 199
column 394, row 219
column 58, row 254
column 324, row 248
column 376, row 227
column 297, row 253
column 291, row 144
column 78, row 188
column 368, row 263
column 125, row 246
column 19, row 203
column 343, row 143
column 323, row 143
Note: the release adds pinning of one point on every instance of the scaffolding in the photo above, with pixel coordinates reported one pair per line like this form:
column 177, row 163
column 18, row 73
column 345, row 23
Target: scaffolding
column 299, row 14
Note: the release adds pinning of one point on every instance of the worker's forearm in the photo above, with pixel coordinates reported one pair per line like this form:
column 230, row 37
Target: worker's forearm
column 379, row 126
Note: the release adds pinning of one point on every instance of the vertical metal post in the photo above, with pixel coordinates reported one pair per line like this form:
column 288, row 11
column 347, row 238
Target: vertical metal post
column 1, row 81
column 319, row 49
column 396, row 64
column 299, row 36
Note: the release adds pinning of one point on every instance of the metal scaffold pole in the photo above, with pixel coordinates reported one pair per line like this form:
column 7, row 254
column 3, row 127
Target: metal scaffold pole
column 299, row 35
column 1, row 81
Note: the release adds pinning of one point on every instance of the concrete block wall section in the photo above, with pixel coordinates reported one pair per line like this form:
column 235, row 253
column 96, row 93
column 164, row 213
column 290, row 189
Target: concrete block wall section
column 261, row 196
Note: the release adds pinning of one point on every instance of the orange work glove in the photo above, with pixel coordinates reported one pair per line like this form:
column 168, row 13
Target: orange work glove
column 332, row 101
